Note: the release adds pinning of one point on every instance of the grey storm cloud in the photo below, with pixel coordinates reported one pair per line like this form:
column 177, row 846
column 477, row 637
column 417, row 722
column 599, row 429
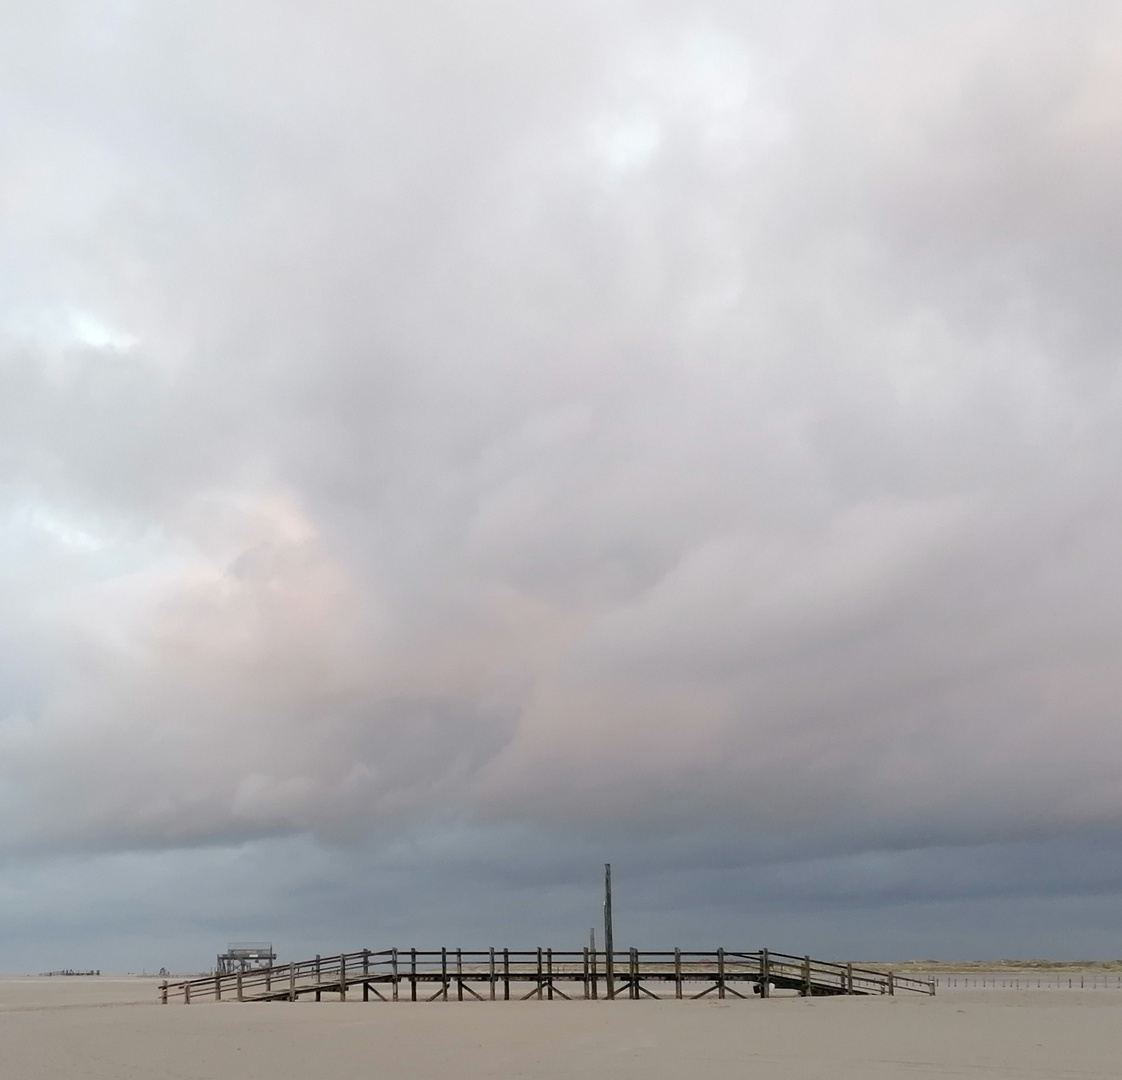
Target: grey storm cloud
column 694, row 426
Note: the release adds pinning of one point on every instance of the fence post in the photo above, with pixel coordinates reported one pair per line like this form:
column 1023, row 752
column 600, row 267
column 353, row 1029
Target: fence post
column 240, row 998
column 217, row 987
column 393, row 972
column 342, row 976
column 459, row 975
column 807, row 992
column 491, row 973
column 678, row 973
column 319, row 996
column 849, row 978
column 891, row 983
column 292, row 982
column 413, row 974
column 164, row 992
column 549, row 973
column 186, row 993
column 595, row 977
column 506, row 974
column 584, row 973
column 444, row 970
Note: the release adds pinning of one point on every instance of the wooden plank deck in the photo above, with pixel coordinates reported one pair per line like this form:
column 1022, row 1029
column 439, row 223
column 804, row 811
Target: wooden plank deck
column 544, row 974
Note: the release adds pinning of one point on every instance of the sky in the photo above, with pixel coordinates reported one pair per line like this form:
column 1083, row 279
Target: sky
column 447, row 445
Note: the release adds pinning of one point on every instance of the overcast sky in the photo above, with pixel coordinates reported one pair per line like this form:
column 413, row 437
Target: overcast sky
column 447, row 445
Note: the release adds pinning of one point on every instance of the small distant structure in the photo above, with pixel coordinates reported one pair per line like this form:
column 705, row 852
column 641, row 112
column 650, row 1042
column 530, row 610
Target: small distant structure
column 245, row 956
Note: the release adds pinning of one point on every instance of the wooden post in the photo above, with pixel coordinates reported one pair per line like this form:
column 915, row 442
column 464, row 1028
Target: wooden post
column 549, row 973
column 765, row 970
column 609, row 939
column 240, row 998
column 444, row 970
column 319, row 979
column 807, row 989
column 584, row 975
column 186, row 993
column 849, row 978
column 891, row 983
column 506, row 975
column 217, row 987
column 164, row 992
column 594, row 973
column 539, row 973
column 459, row 975
column 292, row 982
column 491, row 973
column 342, row 976
column 269, row 979
column 720, row 973
column 393, row 972
column 413, row 975
column 678, row 974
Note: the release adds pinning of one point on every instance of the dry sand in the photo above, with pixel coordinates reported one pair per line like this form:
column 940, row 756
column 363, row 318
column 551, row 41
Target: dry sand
column 106, row 1029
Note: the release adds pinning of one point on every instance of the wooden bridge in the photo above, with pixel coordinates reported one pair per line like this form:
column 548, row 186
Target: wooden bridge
column 504, row 974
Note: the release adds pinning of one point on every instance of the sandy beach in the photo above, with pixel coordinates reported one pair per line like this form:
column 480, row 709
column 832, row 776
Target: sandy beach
column 109, row 1029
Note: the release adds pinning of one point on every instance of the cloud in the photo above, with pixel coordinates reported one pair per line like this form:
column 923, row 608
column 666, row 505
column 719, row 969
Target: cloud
column 654, row 414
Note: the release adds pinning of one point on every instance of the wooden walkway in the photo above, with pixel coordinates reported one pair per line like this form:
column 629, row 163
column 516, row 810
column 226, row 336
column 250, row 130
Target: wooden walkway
column 543, row 974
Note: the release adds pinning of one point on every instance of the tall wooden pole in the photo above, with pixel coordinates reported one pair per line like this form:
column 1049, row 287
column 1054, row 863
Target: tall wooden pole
column 592, row 949
column 609, row 957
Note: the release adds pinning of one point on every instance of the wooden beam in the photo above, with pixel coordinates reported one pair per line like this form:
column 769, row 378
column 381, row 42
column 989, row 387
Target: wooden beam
column 609, row 939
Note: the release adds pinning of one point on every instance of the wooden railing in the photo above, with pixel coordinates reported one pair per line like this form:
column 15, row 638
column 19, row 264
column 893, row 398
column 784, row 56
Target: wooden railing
column 493, row 974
